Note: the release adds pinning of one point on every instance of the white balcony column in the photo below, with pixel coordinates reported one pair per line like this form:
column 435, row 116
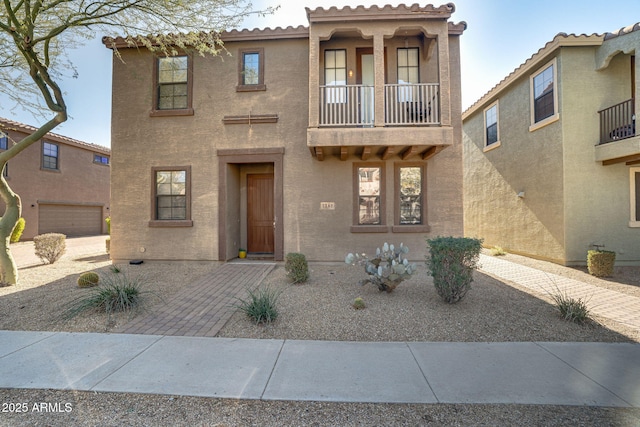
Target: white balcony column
column 314, row 80
column 378, row 60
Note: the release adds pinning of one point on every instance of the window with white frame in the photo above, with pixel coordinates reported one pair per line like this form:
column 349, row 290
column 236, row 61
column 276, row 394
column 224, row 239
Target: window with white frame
column 544, row 97
column 491, row 133
column 634, row 186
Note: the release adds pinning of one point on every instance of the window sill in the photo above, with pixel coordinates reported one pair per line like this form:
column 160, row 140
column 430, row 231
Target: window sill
column 491, row 147
column 169, row 113
column 251, row 88
column 171, row 223
column 545, row 122
column 411, row 229
column 369, row 229
column 50, row 170
column 634, row 224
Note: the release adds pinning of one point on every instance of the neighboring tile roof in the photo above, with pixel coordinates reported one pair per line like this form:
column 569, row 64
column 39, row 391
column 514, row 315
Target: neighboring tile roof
column 561, row 39
column 535, row 60
column 6, row 124
column 622, row 31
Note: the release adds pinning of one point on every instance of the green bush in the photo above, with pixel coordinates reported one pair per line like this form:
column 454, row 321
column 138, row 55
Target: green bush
column 260, row 305
column 296, row 267
column 17, row 231
column 451, row 264
column 498, row 251
column 88, row 279
column 116, row 293
column 50, row 246
column 108, row 221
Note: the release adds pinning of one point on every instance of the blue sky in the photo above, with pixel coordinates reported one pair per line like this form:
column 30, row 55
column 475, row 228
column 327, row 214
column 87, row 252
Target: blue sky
column 501, row 35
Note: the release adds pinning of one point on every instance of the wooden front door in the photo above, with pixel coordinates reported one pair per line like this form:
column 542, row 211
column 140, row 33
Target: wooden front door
column 260, row 218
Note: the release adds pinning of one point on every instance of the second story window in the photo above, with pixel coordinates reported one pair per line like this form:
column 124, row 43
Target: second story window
column 335, row 74
column 103, row 160
column 543, row 94
column 408, row 66
column 491, row 125
column 4, row 141
column 251, row 70
column 173, row 91
column 49, row 156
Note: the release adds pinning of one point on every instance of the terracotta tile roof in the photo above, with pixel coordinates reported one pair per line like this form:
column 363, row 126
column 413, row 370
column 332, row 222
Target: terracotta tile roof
column 622, row 31
column 386, row 12
column 6, row 124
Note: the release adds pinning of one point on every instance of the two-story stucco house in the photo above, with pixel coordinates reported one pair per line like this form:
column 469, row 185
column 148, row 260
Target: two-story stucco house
column 322, row 139
column 63, row 183
column 551, row 153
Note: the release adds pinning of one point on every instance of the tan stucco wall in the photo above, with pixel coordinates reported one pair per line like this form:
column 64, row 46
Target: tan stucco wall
column 597, row 196
column 78, row 181
column 571, row 201
column 140, row 142
column 529, row 162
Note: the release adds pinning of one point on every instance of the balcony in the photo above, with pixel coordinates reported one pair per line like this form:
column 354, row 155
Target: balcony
column 411, row 122
column 618, row 139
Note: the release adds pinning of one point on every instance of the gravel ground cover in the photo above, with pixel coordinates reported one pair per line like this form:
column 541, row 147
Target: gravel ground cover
column 319, row 309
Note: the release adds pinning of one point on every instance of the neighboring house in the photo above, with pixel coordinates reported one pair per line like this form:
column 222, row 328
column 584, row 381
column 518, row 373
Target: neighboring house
column 551, row 154
column 323, row 140
column 63, row 183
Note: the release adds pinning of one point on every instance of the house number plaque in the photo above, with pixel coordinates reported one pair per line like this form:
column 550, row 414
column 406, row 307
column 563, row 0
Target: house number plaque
column 327, row 206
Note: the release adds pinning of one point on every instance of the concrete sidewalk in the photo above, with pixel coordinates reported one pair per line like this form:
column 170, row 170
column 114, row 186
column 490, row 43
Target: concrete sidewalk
column 593, row 374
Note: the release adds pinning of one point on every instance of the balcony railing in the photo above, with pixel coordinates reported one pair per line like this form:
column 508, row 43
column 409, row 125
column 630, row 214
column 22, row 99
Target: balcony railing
column 411, row 104
column 346, row 105
column 618, row 122
column 404, row 105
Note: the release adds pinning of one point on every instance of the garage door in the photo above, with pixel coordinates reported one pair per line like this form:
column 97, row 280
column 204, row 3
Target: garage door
column 72, row 220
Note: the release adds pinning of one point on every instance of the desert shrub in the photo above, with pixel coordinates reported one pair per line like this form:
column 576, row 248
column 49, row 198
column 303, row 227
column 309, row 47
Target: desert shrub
column 358, row 304
column 88, row 279
column 600, row 263
column 18, row 230
column 108, row 221
column 116, row 293
column 571, row 309
column 451, row 265
column 260, row 306
column 498, row 251
column 115, row 268
column 387, row 269
column 50, row 246
column 296, row 267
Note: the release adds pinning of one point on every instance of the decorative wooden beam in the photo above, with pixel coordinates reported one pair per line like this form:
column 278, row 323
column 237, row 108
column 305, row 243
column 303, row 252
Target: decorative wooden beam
column 409, row 152
column 633, row 163
column 431, row 152
column 344, row 153
column 388, row 152
column 631, row 158
column 319, row 153
column 250, row 119
column 366, row 153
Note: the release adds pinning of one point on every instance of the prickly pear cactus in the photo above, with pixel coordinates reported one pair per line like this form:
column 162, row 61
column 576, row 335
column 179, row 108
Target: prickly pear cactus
column 387, row 269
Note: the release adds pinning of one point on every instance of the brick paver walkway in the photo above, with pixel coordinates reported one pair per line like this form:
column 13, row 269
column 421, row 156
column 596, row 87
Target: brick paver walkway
column 202, row 308
column 603, row 302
